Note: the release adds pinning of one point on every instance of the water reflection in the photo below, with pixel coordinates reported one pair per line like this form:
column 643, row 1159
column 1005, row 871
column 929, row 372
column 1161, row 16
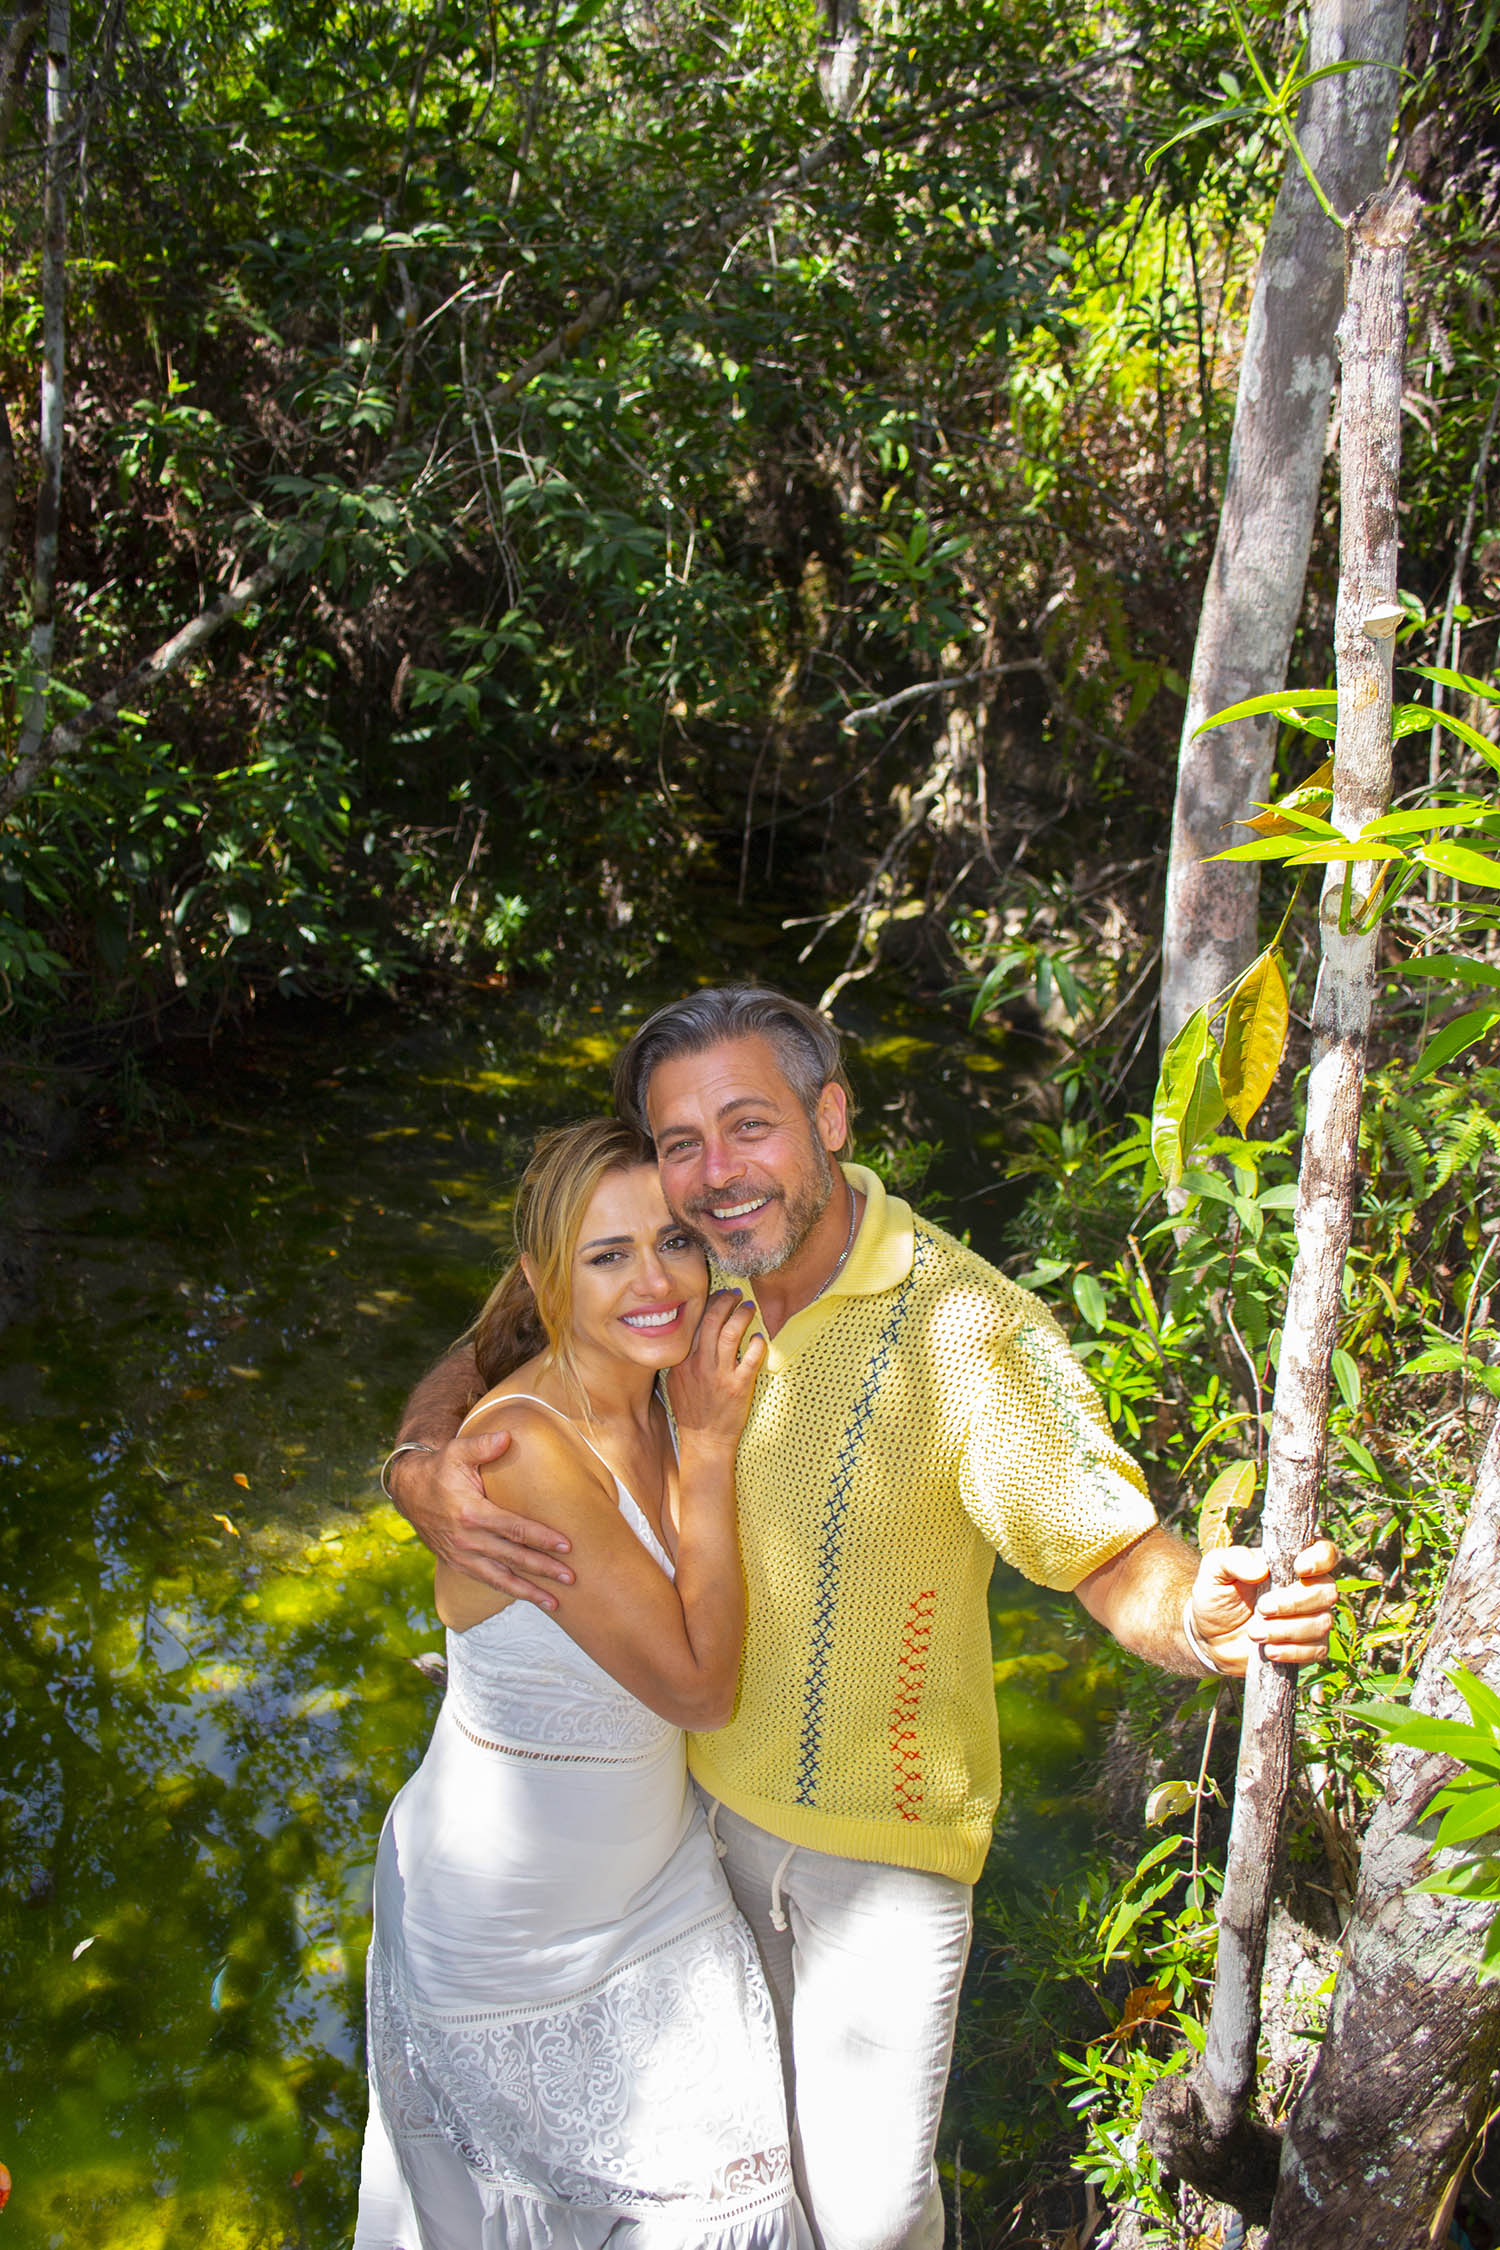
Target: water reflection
column 208, row 1624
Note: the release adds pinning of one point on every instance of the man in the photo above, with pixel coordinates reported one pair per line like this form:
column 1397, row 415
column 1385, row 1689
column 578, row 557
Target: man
column 916, row 1412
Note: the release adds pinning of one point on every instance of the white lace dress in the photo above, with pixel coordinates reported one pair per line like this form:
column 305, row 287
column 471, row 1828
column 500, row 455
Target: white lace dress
column 570, row 2040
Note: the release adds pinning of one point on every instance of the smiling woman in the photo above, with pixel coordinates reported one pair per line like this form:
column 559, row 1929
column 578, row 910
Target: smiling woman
column 569, row 2031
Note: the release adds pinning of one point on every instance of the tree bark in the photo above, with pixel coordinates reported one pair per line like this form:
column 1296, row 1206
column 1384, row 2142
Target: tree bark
column 54, row 336
column 1255, row 581
column 1201, row 2129
column 20, row 32
column 1390, row 2117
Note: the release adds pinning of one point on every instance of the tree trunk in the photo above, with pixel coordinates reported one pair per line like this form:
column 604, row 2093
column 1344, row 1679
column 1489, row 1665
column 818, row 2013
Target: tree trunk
column 1390, row 2117
column 54, row 299
column 1254, row 591
column 1201, row 2129
column 14, row 50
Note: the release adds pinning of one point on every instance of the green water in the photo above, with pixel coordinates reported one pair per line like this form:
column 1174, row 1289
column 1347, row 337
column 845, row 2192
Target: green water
column 208, row 1617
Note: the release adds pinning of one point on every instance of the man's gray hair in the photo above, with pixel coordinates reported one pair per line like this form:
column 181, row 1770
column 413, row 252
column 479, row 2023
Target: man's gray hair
column 808, row 1047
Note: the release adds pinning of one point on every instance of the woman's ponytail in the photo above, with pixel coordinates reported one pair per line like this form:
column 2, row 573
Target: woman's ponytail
column 509, row 1329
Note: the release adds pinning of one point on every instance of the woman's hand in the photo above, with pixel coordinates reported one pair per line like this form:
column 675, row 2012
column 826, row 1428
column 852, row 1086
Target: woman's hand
column 710, row 1391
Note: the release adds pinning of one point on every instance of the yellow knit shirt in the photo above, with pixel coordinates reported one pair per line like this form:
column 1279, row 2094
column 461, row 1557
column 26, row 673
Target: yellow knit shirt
column 920, row 1414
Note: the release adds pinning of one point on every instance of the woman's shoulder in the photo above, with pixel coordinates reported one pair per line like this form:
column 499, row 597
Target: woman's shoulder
column 544, row 1440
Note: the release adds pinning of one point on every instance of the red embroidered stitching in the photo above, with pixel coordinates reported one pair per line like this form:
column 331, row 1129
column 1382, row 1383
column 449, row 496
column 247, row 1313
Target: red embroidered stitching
column 911, row 1671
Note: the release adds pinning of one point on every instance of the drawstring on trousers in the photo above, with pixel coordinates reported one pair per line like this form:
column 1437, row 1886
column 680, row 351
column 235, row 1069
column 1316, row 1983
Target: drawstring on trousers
column 778, row 1911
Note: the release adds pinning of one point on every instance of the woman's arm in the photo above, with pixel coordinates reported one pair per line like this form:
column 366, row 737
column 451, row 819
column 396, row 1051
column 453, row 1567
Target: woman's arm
column 676, row 1646
column 442, row 1493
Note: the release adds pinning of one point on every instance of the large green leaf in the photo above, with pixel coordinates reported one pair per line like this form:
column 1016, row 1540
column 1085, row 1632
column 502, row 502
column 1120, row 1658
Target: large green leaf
column 1189, row 1102
column 1454, row 968
column 1254, row 1036
column 1465, row 866
column 1454, row 1038
column 1460, row 680
column 1287, row 704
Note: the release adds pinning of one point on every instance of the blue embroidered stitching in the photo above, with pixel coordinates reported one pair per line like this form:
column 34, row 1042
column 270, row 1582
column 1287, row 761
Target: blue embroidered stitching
column 830, row 1543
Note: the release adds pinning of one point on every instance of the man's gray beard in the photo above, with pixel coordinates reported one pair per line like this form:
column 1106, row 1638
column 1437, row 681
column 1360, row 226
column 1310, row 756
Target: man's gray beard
column 745, row 1260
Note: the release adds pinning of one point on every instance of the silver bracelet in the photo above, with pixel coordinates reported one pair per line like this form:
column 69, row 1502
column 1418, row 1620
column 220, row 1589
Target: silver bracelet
column 407, row 1445
column 1197, row 1647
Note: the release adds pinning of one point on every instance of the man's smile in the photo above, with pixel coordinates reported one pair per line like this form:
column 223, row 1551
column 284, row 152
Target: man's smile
column 725, row 1211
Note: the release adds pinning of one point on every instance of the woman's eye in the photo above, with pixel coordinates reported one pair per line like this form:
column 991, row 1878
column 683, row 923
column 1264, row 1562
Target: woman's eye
column 679, row 1242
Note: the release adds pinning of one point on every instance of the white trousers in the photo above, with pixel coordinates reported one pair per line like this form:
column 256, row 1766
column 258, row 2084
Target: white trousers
column 864, row 1963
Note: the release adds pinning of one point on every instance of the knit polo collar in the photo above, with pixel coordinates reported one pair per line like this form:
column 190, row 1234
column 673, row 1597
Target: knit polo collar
column 880, row 1260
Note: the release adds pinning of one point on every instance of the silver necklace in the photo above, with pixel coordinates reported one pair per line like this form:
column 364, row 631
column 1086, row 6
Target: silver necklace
column 837, row 1267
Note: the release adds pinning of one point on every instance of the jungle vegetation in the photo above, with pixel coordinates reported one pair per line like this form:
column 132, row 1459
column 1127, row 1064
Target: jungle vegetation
column 555, row 497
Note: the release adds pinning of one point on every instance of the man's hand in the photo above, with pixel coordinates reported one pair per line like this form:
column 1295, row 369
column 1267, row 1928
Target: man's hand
column 1291, row 1623
column 442, row 1497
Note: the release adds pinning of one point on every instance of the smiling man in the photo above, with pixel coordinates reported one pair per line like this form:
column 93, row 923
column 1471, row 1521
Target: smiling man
column 917, row 1412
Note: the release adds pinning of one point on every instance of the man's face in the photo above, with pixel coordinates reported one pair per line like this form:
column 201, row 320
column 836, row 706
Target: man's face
column 740, row 1159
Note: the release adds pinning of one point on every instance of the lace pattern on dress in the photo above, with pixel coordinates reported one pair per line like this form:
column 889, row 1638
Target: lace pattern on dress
column 631, row 2096
column 518, row 1682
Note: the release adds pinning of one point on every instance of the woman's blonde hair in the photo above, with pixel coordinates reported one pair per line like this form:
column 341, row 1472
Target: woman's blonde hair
column 520, row 1321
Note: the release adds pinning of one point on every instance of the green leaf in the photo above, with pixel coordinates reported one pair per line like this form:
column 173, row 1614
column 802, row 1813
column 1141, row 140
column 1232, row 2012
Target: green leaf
column 1089, row 1298
column 1286, row 704
column 1232, row 1489
column 1189, row 1102
column 1264, row 847
column 1454, row 1038
column 1416, row 823
column 1355, row 848
column 1253, row 1041
column 1479, row 1879
column 1466, row 866
column 1450, row 1738
column 1457, row 966
column 1460, row 680
column 1471, row 735
column 1460, row 1824
column 1483, row 1701
column 1362, row 1458
column 1167, row 1800
column 1346, row 1375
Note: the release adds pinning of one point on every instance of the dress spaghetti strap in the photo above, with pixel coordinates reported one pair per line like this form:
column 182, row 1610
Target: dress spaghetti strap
column 623, row 1493
column 529, row 1398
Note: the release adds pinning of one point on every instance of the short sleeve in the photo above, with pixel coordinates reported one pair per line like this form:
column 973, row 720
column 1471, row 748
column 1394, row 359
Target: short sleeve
column 1042, row 1476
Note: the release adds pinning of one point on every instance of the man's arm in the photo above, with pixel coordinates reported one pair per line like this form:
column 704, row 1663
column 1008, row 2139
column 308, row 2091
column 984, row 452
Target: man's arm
column 440, row 1490
column 1141, row 1594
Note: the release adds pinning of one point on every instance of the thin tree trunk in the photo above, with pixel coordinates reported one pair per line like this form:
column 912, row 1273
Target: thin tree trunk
column 7, row 498
column 1390, row 2117
column 1202, row 2130
column 14, row 54
column 54, row 301
column 1254, row 591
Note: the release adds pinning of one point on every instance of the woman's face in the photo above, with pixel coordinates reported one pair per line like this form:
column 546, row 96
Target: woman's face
column 640, row 1278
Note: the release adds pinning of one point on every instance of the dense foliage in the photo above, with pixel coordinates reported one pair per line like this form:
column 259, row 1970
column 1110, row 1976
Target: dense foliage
column 699, row 472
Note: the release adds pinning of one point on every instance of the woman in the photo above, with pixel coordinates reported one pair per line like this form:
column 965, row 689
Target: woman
column 570, row 2040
